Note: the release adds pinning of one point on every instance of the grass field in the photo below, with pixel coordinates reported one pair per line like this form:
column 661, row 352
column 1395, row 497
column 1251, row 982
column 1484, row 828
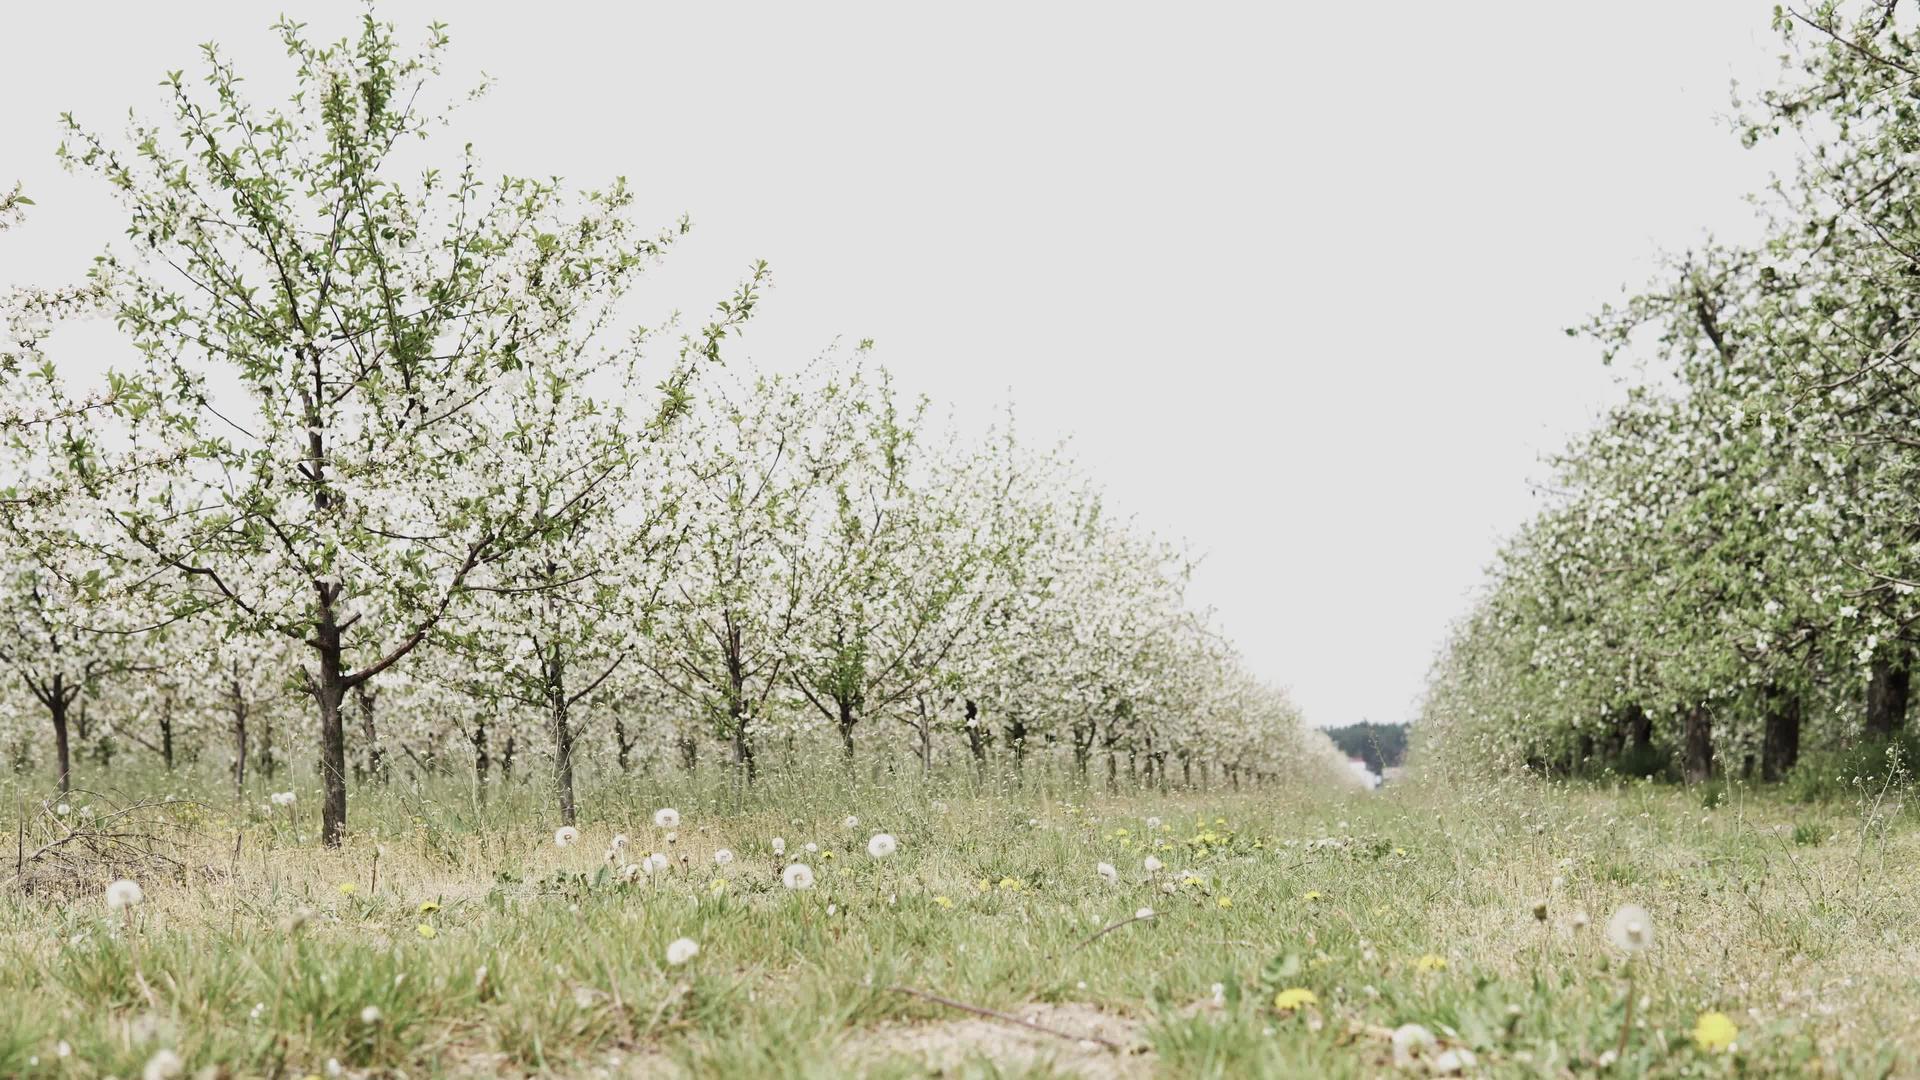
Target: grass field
column 463, row 941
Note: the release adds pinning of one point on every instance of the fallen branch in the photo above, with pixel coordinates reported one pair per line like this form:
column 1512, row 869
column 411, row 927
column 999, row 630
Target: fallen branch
column 1105, row 930
column 1009, row 1018
column 77, row 851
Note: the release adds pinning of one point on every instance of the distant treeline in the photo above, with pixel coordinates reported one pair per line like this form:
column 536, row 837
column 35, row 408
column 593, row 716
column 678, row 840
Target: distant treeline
column 1381, row 746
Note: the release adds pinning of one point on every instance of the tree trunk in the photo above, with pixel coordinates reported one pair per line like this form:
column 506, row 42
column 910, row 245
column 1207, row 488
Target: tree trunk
column 482, row 761
column 63, row 754
column 926, row 739
column 743, row 754
column 1017, row 742
column 1639, row 727
column 506, row 758
column 376, row 757
column 847, row 720
column 329, row 691
column 263, row 758
column 562, row 739
column 239, row 707
column 1887, row 692
column 976, row 742
column 1082, row 750
column 622, row 747
column 1780, row 744
column 166, row 731
column 737, row 719
column 743, row 761
column 1697, row 764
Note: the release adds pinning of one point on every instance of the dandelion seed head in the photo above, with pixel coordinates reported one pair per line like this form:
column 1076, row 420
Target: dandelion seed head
column 1411, row 1044
column 163, row 1065
column 124, row 894
column 1630, row 929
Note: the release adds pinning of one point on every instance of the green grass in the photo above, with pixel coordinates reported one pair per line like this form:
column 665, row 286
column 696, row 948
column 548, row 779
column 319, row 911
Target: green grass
column 1794, row 920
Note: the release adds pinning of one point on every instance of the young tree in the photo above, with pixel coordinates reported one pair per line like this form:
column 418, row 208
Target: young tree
column 62, row 640
column 906, row 562
column 741, row 602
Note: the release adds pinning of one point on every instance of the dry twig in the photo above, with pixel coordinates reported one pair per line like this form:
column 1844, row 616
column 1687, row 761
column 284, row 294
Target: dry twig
column 1008, row 1017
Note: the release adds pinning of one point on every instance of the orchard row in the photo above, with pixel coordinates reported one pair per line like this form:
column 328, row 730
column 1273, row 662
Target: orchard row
column 380, row 470
column 1724, row 577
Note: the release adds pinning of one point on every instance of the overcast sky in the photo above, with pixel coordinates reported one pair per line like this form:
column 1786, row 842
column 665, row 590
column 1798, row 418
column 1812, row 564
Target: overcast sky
column 1293, row 277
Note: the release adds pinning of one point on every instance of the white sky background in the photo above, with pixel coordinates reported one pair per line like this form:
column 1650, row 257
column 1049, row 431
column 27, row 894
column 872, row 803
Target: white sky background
column 1293, row 277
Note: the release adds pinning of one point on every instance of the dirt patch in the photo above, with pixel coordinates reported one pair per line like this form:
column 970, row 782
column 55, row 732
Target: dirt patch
column 946, row 1046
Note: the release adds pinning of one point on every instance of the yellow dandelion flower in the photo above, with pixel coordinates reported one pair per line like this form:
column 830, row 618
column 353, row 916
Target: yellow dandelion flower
column 1294, row 997
column 943, row 901
column 1225, row 901
column 1010, row 884
column 426, row 931
column 428, row 907
column 1399, row 851
column 827, row 855
column 1714, row 1032
column 1431, row 962
column 718, row 886
column 346, row 888
column 985, row 885
column 1310, row 897
column 1192, row 879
